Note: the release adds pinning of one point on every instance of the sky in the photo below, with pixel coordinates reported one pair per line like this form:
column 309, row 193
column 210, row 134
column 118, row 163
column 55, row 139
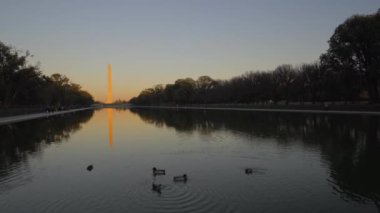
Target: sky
column 151, row 42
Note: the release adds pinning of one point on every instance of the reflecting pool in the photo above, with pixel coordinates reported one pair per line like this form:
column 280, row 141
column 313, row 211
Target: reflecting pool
column 235, row 162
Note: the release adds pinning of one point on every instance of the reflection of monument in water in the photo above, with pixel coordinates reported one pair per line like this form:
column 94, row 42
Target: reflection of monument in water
column 109, row 110
column 109, row 116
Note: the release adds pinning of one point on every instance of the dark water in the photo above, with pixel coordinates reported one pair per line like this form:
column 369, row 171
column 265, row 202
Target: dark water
column 299, row 162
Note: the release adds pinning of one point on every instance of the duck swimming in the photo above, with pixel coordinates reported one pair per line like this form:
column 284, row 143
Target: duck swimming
column 156, row 188
column 158, row 171
column 90, row 167
column 181, row 178
column 248, row 171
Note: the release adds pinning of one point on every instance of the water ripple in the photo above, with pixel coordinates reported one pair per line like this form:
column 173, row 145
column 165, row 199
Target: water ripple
column 176, row 198
column 14, row 176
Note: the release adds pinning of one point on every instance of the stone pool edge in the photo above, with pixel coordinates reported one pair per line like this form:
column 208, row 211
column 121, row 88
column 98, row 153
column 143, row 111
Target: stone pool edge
column 20, row 118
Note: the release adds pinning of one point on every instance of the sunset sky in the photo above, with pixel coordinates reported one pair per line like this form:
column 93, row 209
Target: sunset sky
column 148, row 42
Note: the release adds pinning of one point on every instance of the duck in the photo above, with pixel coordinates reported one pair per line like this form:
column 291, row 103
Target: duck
column 156, row 187
column 90, row 167
column 181, row 178
column 248, row 171
column 158, row 171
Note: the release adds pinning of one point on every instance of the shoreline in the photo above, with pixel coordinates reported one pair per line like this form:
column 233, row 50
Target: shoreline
column 230, row 108
column 26, row 117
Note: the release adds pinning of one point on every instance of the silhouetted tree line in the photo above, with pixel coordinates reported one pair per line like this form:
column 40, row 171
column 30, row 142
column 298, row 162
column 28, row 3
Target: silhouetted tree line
column 22, row 84
column 349, row 71
column 348, row 144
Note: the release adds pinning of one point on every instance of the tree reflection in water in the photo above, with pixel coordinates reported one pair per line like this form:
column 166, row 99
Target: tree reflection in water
column 21, row 140
column 349, row 144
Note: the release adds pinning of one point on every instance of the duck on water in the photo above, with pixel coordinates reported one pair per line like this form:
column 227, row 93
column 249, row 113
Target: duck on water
column 156, row 188
column 181, row 178
column 158, row 171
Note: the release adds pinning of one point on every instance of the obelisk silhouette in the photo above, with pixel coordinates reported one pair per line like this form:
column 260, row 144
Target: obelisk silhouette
column 109, row 91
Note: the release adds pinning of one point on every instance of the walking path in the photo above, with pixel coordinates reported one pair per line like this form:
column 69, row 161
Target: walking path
column 18, row 118
column 268, row 110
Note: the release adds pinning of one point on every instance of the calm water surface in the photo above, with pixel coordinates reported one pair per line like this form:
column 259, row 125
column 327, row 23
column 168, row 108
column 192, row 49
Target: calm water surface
column 300, row 162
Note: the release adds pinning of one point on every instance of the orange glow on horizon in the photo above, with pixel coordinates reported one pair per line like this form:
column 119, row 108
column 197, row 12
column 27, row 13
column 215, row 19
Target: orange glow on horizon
column 109, row 90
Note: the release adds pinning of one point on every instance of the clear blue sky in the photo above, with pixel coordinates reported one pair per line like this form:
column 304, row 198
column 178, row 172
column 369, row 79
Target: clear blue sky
column 157, row 41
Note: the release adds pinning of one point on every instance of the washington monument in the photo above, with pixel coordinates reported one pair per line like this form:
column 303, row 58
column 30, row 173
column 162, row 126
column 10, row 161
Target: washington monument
column 109, row 91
